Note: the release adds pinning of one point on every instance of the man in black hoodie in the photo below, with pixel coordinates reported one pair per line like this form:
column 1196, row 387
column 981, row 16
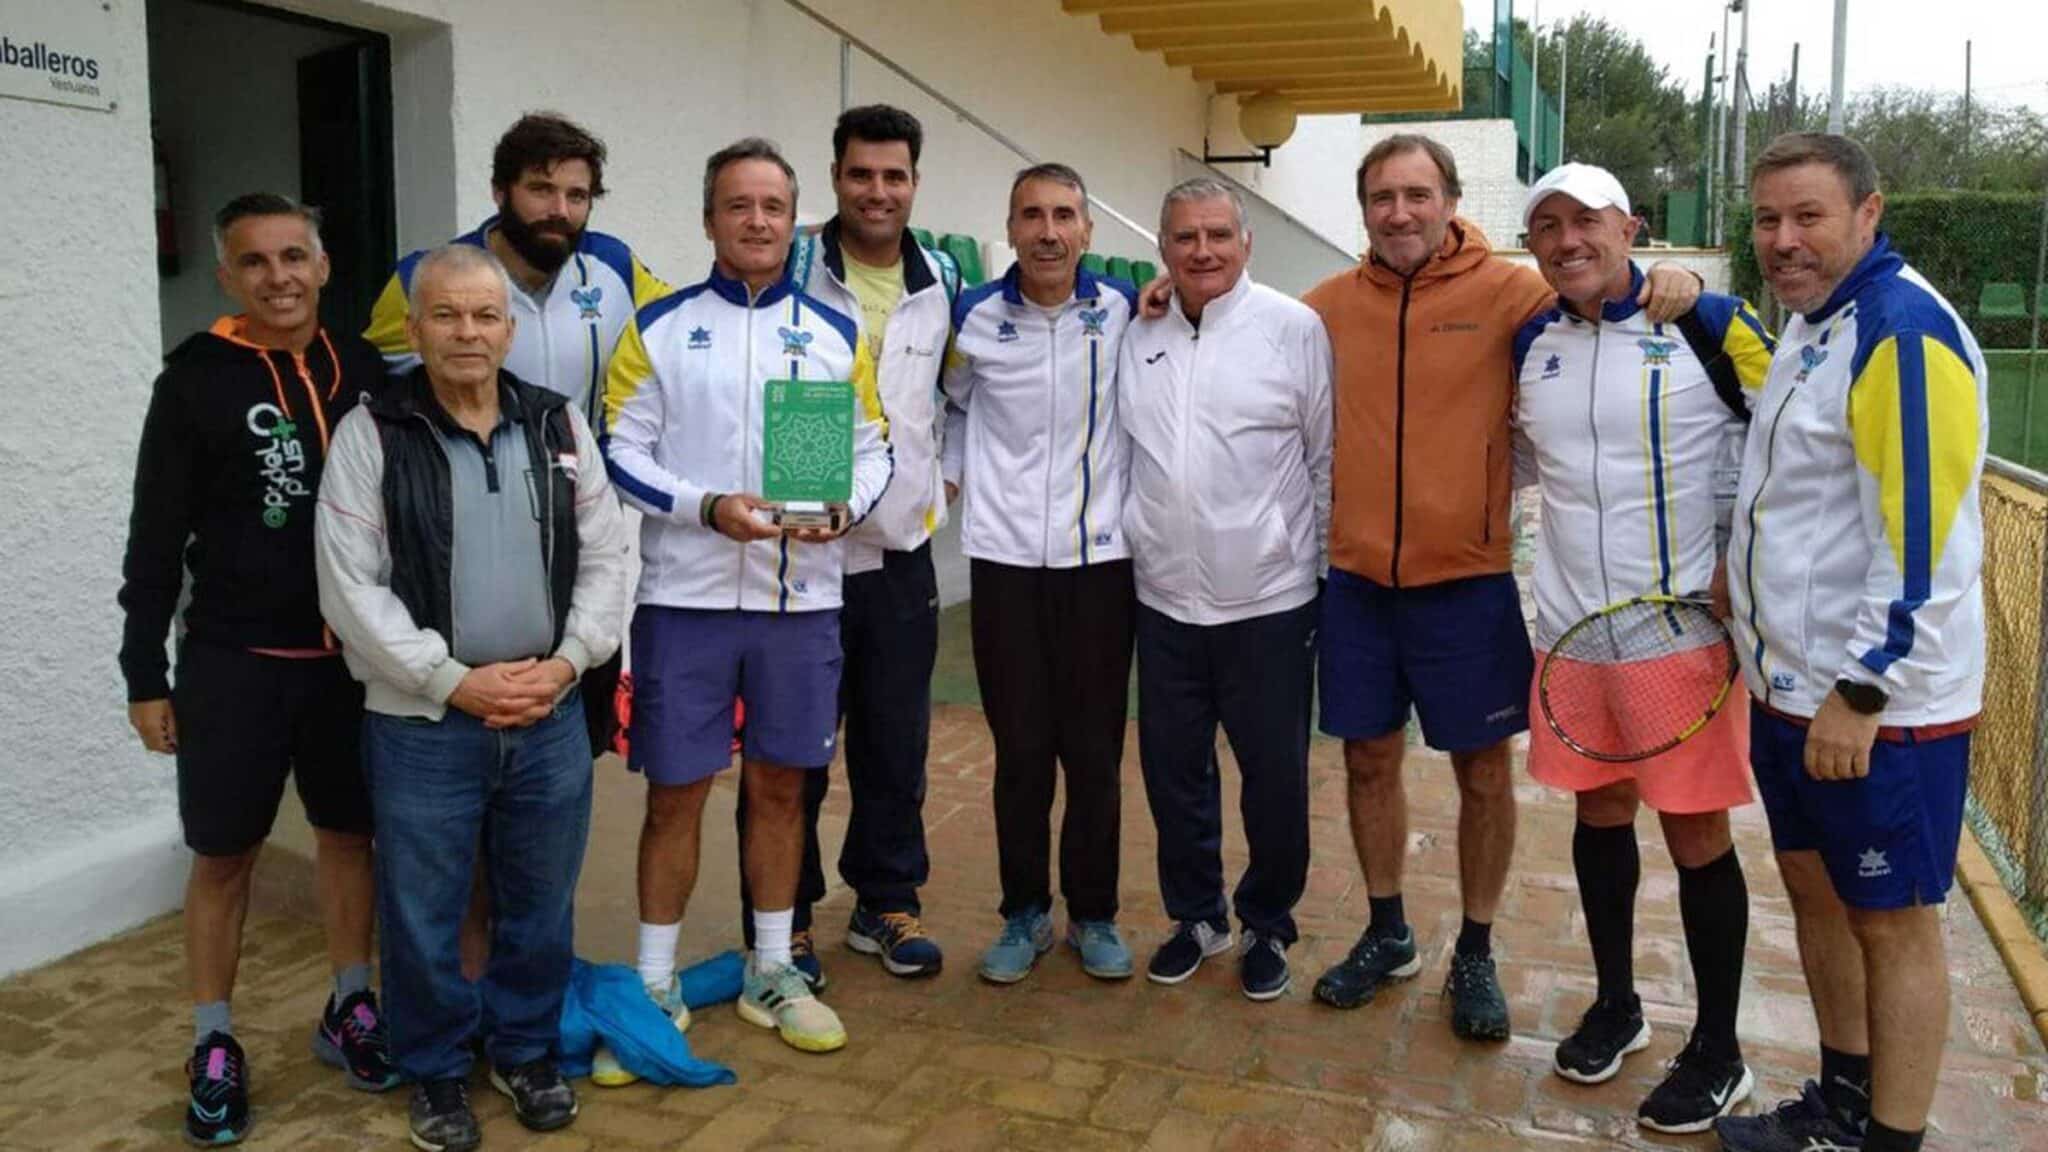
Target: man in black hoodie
column 232, row 450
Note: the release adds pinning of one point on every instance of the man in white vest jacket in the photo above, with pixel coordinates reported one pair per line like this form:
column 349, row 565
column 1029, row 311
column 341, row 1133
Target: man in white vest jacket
column 1226, row 400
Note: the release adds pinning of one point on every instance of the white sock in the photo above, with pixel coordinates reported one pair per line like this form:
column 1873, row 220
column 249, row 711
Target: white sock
column 658, row 954
column 771, row 937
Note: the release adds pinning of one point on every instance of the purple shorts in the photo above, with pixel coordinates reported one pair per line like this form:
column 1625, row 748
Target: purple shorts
column 690, row 664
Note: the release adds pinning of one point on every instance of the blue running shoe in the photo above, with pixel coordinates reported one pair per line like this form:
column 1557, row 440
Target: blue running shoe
column 1026, row 936
column 803, row 956
column 1102, row 950
column 218, row 1112
column 1262, row 968
column 898, row 938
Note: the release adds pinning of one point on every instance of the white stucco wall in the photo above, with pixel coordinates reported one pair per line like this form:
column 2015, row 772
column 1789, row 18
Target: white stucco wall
column 88, row 832
column 80, row 803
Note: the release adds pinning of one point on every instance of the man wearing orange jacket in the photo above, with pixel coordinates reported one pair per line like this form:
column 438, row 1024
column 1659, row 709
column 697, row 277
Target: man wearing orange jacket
column 1421, row 610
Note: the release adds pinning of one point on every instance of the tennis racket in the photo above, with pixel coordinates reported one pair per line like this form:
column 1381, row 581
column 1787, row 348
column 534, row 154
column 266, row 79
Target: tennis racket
column 1637, row 677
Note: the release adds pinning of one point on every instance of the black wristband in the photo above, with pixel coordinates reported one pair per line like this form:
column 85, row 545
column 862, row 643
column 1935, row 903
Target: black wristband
column 707, row 509
column 1864, row 699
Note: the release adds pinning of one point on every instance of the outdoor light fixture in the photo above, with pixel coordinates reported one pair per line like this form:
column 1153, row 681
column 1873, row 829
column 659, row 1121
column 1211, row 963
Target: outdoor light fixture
column 1267, row 120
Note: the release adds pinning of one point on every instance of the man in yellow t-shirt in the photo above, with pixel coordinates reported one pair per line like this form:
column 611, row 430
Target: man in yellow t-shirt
column 865, row 263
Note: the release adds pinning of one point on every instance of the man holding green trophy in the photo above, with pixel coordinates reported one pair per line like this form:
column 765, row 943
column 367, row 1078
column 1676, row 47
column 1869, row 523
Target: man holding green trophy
column 742, row 417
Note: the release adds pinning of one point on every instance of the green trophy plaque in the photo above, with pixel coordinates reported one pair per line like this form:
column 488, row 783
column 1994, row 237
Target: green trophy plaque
column 807, row 451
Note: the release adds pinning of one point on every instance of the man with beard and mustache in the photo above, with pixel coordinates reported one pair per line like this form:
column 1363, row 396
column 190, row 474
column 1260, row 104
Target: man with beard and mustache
column 574, row 291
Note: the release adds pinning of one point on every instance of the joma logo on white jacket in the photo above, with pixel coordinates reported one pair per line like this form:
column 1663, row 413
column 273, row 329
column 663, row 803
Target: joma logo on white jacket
column 683, row 409
column 1636, row 450
column 1032, row 435
column 1858, row 538
column 1228, row 507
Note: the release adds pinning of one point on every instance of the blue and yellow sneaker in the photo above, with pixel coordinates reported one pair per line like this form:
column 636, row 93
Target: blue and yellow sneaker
column 898, row 938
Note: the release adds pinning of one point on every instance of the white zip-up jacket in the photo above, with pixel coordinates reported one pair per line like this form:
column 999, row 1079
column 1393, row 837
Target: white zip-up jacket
column 563, row 343
column 1032, row 433
column 913, row 353
column 1858, row 538
column 1634, row 445
column 683, row 409
column 1228, row 506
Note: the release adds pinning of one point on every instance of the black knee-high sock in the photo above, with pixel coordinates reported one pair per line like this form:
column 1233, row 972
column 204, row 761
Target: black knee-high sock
column 1713, row 902
column 1608, row 866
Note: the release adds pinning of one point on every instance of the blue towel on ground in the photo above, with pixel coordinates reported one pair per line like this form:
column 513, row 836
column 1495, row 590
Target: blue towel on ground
column 606, row 1003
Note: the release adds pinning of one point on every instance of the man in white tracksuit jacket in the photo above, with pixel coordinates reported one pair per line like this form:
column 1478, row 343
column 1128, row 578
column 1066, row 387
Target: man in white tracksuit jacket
column 1859, row 617
column 730, row 603
column 1033, row 442
column 1226, row 400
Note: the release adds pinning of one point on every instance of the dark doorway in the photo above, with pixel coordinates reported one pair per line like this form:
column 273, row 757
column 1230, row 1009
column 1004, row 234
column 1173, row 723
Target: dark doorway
column 246, row 98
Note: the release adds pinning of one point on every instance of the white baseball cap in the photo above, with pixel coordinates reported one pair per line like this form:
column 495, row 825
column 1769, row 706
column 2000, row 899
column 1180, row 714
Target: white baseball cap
column 1589, row 185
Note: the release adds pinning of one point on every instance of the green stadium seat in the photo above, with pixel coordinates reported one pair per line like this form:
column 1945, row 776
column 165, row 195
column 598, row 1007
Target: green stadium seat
column 1119, row 267
column 2002, row 301
column 1143, row 272
column 1095, row 264
column 966, row 254
column 923, row 237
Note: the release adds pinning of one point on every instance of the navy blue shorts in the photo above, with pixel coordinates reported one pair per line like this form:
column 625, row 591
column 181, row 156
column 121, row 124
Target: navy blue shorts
column 690, row 664
column 1457, row 652
column 1888, row 839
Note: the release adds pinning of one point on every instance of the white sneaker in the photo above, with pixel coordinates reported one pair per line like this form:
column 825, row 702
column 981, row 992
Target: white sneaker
column 781, row 999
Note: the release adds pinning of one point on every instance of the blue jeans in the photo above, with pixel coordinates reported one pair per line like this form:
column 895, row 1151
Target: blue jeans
column 440, row 791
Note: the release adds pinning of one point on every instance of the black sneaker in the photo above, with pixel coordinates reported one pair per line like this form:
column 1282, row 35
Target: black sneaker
column 441, row 1119
column 1700, row 1087
column 218, row 1112
column 1609, row 1031
column 1373, row 962
column 351, row 1037
column 1801, row 1124
column 1192, row 942
column 540, row 1097
column 1478, row 1010
column 1262, row 970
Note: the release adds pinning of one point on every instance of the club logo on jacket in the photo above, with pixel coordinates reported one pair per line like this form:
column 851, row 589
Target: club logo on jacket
column 280, row 460
column 1005, row 332
column 1553, row 367
column 1091, row 320
column 1656, row 353
column 1810, row 358
column 586, row 300
column 700, row 338
column 795, row 342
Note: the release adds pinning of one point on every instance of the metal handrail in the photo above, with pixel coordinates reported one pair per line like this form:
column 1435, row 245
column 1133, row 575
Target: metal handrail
column 960, row 110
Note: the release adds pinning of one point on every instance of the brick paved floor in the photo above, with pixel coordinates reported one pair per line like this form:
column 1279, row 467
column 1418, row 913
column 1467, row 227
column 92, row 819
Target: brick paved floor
column 89, row 1048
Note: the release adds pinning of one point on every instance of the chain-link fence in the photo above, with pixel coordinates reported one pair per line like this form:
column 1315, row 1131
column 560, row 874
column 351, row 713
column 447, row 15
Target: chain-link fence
column 2008, row 805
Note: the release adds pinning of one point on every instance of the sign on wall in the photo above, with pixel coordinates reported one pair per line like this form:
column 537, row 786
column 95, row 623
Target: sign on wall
column 58, row 52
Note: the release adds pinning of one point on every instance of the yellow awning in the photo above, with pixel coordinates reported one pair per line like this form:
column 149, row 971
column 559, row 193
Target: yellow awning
column 1323, row 55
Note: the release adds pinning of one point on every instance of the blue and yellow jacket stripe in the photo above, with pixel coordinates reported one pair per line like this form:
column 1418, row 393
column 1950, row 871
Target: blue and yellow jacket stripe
column 682, row 417
column 1633, row 430
column 1859, row 539
column 563, row 344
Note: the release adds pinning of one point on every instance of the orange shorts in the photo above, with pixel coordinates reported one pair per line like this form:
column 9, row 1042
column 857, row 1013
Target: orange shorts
column 1707, row 773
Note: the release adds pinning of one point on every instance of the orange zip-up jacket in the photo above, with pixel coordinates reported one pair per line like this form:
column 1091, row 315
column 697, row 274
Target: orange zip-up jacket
column 1422, row 467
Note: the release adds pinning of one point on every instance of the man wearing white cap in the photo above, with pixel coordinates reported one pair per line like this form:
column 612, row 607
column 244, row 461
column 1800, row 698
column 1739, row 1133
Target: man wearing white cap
column 1632, row 430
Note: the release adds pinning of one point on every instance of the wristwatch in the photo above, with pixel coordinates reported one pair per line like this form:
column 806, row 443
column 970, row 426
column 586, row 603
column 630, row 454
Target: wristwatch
column 1866, row 699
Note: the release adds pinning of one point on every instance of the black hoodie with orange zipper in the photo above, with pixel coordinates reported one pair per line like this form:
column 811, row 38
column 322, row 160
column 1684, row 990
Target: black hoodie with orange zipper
column 225, row 482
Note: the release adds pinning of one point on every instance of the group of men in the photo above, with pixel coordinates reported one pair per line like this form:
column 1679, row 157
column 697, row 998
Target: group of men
column 1256, row 497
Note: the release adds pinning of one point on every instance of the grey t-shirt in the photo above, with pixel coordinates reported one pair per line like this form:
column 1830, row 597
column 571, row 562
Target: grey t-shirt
column 498, row 578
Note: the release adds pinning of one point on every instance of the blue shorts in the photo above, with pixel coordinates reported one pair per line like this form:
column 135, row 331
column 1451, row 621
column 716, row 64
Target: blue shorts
column 1457, row 652
column 1889, row 838
column 690, row 664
